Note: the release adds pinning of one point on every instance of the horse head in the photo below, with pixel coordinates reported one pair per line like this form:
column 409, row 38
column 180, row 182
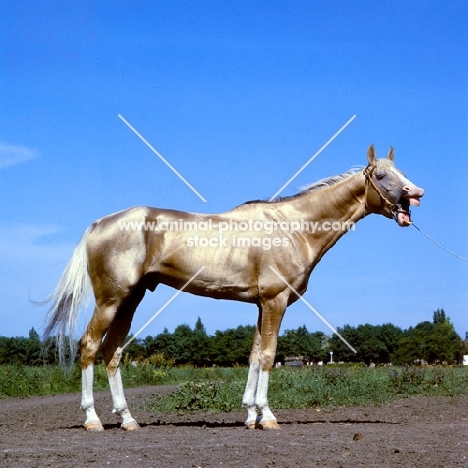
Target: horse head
column 388, row 191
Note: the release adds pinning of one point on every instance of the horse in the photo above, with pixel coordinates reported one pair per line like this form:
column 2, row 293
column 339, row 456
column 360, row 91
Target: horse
column 260, row 252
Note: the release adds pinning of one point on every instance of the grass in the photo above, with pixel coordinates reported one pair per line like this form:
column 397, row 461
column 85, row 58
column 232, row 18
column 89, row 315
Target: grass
column 320, row 387
column 24, row 381
column 220, row 389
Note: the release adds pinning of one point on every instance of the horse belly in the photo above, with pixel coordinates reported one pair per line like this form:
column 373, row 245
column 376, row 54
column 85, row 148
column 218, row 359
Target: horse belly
column 226, row 273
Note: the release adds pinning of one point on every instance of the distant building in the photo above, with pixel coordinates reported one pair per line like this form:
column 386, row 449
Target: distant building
column 296, row 361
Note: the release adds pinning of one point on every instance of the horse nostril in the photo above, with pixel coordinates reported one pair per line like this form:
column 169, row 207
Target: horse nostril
column 406, row 188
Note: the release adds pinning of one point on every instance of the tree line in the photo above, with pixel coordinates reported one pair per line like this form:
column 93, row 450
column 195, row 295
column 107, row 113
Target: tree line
column 428, row 342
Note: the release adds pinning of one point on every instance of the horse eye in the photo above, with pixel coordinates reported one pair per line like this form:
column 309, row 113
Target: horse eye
column 380, row 175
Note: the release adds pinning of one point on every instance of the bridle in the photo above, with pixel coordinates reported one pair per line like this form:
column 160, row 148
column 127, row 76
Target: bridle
column 394, row 208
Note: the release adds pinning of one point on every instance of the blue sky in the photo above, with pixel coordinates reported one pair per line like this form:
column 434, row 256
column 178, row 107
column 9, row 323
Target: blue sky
column 237, row 96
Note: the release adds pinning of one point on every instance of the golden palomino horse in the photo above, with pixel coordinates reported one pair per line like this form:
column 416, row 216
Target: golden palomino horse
column 261, row 252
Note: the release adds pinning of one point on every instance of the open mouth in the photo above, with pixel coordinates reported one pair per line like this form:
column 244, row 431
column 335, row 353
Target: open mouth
column 403, row 214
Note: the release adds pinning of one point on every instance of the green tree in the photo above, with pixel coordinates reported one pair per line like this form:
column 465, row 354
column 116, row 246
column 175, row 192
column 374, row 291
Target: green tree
column 34, row 349
column 183, row 338
column 341, row 352
column 439, row 317
column 433, row 343
column 373, row 343
column 160, row 344
column 232, row 346
column 444, row 345
column 200, row 345
column 20, row 350
column 302, row 343
column 136, row 349
column 413, row 344
column 389, row 335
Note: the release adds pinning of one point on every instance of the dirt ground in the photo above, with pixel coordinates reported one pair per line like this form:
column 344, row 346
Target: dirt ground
column 420, row 432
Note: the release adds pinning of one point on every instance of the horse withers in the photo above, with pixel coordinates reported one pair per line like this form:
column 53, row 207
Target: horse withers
column 261, row 252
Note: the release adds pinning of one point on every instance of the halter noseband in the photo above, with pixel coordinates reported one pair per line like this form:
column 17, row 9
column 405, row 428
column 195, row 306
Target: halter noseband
column 395, row 208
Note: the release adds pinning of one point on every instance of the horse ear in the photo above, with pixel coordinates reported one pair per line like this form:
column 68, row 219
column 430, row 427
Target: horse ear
column 391, row 154
column 371, row 155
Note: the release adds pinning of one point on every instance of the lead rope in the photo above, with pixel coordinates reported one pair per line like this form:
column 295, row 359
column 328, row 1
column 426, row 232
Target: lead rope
column 438, row 245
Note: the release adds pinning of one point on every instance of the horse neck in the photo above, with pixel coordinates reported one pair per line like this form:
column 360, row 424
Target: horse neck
column 343, row 202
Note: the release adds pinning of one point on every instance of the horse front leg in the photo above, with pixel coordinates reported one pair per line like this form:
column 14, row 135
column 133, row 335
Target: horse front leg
column 261, row 362
column 268, row 420
column 248, row 400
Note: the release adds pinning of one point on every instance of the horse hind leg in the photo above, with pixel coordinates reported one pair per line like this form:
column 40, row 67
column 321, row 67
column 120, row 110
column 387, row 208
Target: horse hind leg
column 92, row 423
column 112, row 353
column 89, row 346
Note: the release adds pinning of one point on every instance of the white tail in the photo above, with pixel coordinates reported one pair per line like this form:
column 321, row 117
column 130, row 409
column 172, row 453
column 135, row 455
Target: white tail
column 73, row 291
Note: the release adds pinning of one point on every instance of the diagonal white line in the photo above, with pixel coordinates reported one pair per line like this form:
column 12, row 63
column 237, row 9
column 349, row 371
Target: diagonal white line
column 162, row 158
column 313, row 157
column 312, row 309
column 162, row 308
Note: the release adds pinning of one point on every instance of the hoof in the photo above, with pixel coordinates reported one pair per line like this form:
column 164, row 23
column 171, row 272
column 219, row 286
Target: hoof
column 131, row 426
column 94, row 426
column 253, row 425
column 270, row 425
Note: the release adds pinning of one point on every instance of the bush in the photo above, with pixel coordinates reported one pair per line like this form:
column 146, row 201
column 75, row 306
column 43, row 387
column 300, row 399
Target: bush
column 319, row 387
column 203, row 396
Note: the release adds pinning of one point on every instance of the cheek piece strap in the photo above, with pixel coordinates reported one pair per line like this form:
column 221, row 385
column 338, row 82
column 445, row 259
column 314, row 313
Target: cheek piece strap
column 394, row 208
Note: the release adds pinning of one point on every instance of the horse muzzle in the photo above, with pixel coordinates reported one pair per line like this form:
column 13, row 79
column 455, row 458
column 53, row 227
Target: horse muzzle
column 411, row 196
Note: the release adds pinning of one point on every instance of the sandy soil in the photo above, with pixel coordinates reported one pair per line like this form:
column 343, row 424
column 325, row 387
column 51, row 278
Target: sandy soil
column 420, row 432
